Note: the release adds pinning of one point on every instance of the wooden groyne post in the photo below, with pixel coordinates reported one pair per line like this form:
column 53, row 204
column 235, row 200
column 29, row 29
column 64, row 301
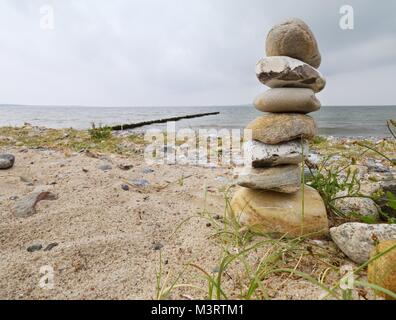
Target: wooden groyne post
column 146, row 123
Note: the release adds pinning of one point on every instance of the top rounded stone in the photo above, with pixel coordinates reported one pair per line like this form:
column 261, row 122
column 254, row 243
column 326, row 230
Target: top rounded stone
column 293, row 38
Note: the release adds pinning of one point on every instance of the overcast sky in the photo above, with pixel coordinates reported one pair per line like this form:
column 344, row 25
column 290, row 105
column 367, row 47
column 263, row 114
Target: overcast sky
column 184, row 52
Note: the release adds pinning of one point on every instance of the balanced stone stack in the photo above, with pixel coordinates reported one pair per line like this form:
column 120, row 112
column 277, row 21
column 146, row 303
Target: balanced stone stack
column 272, row 199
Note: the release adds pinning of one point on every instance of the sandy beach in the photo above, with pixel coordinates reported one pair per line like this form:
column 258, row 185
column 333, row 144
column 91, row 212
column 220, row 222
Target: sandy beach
column 106, row 239
column 106, row 236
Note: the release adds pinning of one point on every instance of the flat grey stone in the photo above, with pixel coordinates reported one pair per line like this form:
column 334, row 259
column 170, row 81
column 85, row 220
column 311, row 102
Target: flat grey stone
column 260, row 154
column 285, row 179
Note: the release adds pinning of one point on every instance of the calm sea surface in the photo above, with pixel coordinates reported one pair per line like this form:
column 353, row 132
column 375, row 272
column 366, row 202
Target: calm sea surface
column 336, row 121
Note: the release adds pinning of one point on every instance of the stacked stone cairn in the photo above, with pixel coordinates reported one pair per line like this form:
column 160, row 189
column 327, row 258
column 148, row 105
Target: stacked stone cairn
column 272, row 198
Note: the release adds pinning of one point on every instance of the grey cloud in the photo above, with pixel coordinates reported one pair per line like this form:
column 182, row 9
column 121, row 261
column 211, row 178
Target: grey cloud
column 177, row 52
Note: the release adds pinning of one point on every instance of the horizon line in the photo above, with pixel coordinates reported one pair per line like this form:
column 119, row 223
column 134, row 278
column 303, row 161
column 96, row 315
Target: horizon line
column 170, row 106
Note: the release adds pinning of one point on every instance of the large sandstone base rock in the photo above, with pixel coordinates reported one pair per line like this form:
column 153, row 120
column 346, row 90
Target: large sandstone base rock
column 382, row 271
column 281, row 214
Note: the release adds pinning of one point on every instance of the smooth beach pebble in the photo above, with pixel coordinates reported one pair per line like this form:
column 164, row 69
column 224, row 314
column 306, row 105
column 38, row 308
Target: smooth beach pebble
column 140, row 182
column 295, row 39
column 281, row 213
column 6, row 161
column 298, row 100
column 276, row 128
column 281, row 71
column 125, row 187
column 157, row 246
column 34, row 247
column 105, row 167
column 51, row 246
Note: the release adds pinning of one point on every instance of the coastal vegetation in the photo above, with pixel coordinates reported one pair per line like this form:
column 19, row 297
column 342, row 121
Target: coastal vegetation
column 252, row 265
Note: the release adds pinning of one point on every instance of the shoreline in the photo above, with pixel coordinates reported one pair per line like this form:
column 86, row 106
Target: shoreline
column 141, row 131
column 342, row 121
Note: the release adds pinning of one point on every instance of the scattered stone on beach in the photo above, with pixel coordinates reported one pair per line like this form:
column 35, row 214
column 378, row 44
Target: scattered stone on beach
column 314, row 158
column 277, row 128
column 268, row 155
column 356, row 240
column 309, row 173
column 365, row 207
column 89, row 153
column 385, row 177
column 125, row 167
column 26, row 206
column 280, row 213
column 125, row 187
column 29, row 181
column 382, row 271
column 358, row 170
column 50, row 246
column 139, row 182
column 216, row 269
column 293, row 38
column 285, row 179
column 147, row 170
column 7, row 140
column 376, row 166
column 157, row 246
column 34, row 247
column 105, row 167
column 25, row 179
column 6, row 161
column 282, row 71
column 383, row 201
column 298, row 100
